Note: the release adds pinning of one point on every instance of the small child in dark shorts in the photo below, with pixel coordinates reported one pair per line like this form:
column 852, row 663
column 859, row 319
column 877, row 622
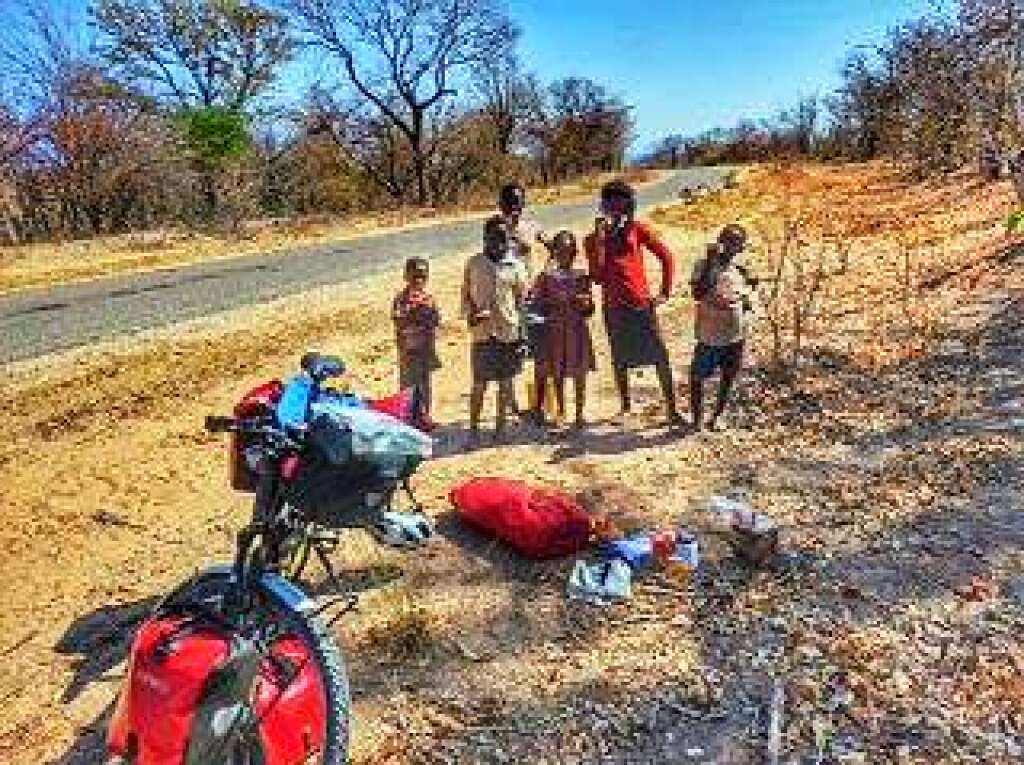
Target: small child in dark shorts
column 416, row 317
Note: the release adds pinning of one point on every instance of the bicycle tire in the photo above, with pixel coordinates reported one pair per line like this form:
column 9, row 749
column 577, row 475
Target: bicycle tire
column 296, row 608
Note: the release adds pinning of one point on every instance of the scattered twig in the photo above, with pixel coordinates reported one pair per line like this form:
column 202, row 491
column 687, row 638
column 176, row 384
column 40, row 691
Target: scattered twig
column 19, row 643
column 775, row 723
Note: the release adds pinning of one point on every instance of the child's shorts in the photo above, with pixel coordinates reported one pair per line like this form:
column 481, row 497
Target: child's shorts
column 707, row 359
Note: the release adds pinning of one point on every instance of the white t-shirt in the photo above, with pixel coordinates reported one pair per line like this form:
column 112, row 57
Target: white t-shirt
column 498, row 288
column 527, row 235
column 720, row 318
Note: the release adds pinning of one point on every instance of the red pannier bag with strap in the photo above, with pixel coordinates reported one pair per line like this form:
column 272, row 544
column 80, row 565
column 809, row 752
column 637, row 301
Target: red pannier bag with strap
column 171, row 668
column 538, row 523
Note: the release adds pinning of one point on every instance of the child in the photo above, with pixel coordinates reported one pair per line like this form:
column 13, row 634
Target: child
column 563, row 295
column 493, row 288
column 721, row 288
column 416, row 318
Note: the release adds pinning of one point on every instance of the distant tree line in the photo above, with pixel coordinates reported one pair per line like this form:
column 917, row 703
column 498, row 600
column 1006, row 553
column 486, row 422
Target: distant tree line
column 938, row 92
column 161, row 112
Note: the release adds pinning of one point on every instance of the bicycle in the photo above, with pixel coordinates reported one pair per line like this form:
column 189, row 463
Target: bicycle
column 322, row 488
column 238, row 666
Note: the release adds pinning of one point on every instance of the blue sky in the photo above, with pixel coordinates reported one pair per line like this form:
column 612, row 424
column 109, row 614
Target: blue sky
column 687, row 66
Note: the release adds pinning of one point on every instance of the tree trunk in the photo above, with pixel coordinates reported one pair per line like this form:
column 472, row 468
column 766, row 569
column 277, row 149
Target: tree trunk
column 208, row 183
column 419, row 161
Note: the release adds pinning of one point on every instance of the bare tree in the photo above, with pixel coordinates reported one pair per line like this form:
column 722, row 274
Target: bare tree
column 992, row 33
column 511, row 97
column 37, row 53
column 588, row 128
column 193, row 52
column 368, row 141
column 863, row 107
column 213, row 57
column 407, row 57
column 800, row 125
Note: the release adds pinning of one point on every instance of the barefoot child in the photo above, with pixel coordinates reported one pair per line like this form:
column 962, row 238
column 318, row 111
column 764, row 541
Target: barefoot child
column 493, row 289
column 722, row 290
column 564, row 298
column 416, row 319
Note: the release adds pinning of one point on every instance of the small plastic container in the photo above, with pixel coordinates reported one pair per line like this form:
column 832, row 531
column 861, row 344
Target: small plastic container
column 687, row 549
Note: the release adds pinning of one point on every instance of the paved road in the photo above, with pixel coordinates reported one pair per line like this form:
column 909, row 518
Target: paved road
column 38, row 321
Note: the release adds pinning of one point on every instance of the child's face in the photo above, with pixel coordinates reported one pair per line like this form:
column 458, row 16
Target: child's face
column 615, row 207
column 731, row 245
column 565, row 255
column 416, row 281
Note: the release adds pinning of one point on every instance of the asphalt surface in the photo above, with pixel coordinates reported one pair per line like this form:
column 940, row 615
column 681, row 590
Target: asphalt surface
column 39, row 321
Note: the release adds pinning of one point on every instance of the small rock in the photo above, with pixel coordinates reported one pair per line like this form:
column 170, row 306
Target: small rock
column 853, row 758
column 808, row 652
column 806, row 689
column 842, row 699
column 900, row 683
column 1014, row 590
column 694, row 752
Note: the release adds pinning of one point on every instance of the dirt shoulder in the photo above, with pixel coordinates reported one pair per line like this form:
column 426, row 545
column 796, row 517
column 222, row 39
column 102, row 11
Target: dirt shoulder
column 52, row 264
column 891, row 458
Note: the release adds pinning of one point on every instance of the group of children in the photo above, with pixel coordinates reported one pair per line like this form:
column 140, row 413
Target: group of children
column 562, row 348
column 515, row 308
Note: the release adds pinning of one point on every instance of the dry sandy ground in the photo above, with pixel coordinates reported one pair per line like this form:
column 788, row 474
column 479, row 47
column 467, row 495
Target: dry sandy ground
column 49, row 264
column 888, row 450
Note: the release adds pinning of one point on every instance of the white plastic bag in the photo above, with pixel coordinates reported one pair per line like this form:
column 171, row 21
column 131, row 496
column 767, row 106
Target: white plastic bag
column 600, row 582
column 378, row 438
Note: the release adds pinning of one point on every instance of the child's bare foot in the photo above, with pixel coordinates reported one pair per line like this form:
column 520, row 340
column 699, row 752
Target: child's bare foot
column 718, row 424
column 622, row 417
column 676, row 421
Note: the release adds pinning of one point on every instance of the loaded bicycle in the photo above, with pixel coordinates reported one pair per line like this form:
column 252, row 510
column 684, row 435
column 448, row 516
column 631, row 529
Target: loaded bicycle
column 238, row 666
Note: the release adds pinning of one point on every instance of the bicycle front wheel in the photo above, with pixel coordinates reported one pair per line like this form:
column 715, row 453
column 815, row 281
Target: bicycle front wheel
column 282, row 696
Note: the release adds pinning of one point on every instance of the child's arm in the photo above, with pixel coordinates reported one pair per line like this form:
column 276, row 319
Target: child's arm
column 660, row 250
column 433, row 313
column 398, row 309
column 703, row 280
column 472, row 313
column 585, row 297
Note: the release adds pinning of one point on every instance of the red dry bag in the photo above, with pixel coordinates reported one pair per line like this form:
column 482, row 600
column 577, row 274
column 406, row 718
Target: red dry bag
column 539, row 523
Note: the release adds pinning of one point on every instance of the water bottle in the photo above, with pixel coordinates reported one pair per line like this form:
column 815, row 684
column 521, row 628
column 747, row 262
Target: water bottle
column 687, row 549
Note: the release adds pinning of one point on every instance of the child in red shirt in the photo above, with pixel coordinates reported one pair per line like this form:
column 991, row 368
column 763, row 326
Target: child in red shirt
column 416, row 317
column 616, row 254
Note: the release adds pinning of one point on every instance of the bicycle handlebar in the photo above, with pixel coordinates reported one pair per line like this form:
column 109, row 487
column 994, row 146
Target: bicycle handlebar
column 215, row 424
column 257, row 427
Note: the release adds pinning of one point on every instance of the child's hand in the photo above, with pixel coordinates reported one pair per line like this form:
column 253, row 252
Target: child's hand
column 418, row 298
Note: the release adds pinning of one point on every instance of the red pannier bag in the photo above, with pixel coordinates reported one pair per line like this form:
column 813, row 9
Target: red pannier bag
column 170, row 670
column 401, row 406
column 538, row 523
